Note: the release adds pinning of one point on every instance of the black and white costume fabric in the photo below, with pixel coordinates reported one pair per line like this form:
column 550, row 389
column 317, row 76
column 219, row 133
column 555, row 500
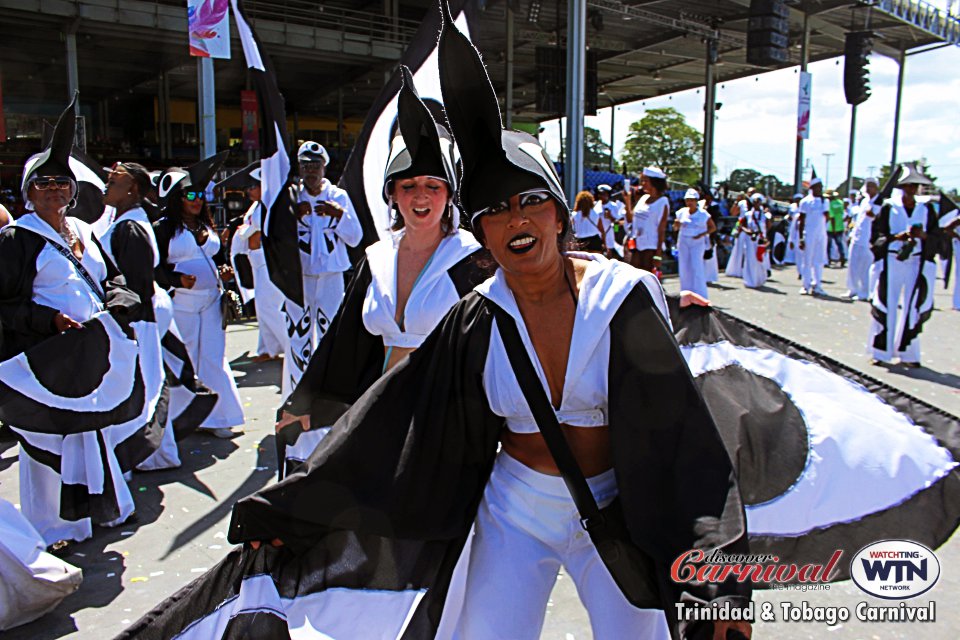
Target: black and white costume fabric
column 240, row 257
column 734, row 268
column 905, row 278
column 859, row 283
column 271, row 323
column 792, row 253
column 130, row 243
column 351, row 355
column 87, row 405
column 380, row 528
column 32, row 581
column 197, row 314
column 323, row 242
column 754, row 231
column 827, row 457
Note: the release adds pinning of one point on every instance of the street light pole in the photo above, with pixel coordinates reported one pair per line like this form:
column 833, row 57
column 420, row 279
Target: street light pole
column 826, row 177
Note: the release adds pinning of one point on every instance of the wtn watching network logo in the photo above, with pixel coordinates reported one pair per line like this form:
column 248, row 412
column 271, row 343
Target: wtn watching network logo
column 895, row 569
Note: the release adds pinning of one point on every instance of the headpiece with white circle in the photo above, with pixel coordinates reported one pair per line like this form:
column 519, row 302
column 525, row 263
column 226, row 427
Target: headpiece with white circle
column 497, row 163
column 311, row 151
column 176, row 180
column 55, row 159
column 247, row 177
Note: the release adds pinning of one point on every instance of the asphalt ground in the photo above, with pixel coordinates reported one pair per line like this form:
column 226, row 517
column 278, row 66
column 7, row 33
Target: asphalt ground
column 179, row 528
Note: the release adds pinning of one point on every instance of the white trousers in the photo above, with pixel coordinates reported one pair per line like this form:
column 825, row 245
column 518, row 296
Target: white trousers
column 201, row 329
column 901, row 278
column 735, row 263
column 815, row 256
column 858, row 270
column 526, row 529
column 322, row 296
column 691, row 266
column 711, row 272
column 272, row 326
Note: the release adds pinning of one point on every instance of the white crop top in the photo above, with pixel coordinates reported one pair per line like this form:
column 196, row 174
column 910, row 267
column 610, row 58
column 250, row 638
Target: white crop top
column 604, row 287
column 431, row 298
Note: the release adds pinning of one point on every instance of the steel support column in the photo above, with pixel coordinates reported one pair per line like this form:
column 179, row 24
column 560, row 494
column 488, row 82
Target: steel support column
column 853, row 133
column 804, row 62
column 709, row 114
column 208, row 108
column 576, row 77
column 73, row 76
column 896, row 113
column 613, row 113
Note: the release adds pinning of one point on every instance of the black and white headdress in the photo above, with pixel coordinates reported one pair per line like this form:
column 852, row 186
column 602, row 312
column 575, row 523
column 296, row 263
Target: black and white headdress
column 175, row 180
column 497, row 163
column 249, row 176
column 55, row 159
column 420, row 147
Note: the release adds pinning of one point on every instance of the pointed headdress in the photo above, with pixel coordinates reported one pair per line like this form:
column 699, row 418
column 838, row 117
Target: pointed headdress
column 55, row 159
column 176, row 180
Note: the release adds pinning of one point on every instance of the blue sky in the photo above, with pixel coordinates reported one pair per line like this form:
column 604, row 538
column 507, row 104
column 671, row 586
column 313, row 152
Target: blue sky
column 756, row 126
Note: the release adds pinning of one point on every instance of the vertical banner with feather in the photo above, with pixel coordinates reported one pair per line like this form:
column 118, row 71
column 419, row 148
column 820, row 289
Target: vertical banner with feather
column 208, row 24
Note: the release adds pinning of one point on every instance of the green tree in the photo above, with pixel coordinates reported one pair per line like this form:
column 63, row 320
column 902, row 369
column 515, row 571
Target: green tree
column 596, row 152
column 663, row 138
column 743, row 179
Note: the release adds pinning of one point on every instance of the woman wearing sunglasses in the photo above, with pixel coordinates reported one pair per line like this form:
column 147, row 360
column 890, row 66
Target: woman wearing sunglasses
column 404, row 285
column 414, row 463
column 193, row 268
column 55, row 276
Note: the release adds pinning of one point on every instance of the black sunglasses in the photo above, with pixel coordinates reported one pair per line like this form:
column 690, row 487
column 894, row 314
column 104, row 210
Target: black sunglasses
column 45, row 183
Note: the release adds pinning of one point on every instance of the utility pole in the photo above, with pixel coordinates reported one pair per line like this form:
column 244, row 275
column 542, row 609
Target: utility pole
column 826, row 177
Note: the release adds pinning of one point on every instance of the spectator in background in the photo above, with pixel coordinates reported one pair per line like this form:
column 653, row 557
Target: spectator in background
column 650, row 219
column 836, row 216
column 611, row 214
column 588, row 227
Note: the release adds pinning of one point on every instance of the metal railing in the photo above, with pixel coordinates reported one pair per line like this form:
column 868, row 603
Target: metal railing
column 313, row 14
column 923, row 16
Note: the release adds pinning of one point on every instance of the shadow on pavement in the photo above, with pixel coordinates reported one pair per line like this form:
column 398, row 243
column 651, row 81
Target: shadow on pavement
column 257, row 374
column 925, row 373
column 262, row 474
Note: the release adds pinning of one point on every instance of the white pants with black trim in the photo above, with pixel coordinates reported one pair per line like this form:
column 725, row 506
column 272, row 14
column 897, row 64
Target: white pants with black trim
column 527, row 527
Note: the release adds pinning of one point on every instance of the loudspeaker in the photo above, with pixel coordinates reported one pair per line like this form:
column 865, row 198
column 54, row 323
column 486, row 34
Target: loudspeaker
column 768, row 33
column 551, row 65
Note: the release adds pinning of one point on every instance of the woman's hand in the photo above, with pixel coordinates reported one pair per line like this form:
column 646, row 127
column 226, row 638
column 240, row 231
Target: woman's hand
column 276, row 542
column 63, row 322
column 720, row 629
column 689, row 298
column 303, row 208
column 187, row 282
column 287, row 418
column 226, row 273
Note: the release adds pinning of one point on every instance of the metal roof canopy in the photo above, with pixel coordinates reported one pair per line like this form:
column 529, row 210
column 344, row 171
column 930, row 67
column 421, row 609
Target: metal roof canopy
column 341, row 50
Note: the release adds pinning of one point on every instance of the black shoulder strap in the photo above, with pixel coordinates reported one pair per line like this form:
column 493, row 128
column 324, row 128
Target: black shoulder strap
column 66, row 253
column 545, row 416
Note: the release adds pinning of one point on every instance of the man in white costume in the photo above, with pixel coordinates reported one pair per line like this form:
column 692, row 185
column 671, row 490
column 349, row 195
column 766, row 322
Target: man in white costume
column 812, row 229
column 859, row 284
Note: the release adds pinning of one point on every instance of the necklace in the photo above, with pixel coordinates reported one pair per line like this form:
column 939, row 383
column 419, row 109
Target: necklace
column 67, row 234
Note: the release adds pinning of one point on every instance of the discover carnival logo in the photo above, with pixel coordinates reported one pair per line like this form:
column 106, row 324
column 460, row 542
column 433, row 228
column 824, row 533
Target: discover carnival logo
column 895, row 569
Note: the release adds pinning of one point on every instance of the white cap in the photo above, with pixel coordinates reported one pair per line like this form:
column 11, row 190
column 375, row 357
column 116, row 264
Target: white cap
column 654, row 172
column 691, row 194
column 758, row 197
column 816, row 180
column 604, row 187
column 311, row 151
column 871, row 180
column 798, row 196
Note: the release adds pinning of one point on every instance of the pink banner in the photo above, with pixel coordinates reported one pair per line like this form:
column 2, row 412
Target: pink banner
column 208, row 23
column 250, row 131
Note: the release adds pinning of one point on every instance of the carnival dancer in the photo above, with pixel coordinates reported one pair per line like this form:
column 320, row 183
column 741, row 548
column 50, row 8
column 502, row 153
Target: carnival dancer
column 711, row 266
column 904, row 239
column 754, row 230
column 272, row 330
column 404, row 285
column 859, row 283
column 326, row 226
column 612, row 214
column 694, row 227
column 55, row 277
column 192, row 267
column 812, row 229
column 734, row 268
column 793, row 255
column 131, row 244
column 649, row 226
column 588, row 224
column 428, row 431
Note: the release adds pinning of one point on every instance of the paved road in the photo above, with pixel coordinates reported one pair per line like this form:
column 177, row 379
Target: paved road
column 182, row 514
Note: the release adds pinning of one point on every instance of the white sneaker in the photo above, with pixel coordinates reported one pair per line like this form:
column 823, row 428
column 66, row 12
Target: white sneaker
column 226, row 433
column 804, row 291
